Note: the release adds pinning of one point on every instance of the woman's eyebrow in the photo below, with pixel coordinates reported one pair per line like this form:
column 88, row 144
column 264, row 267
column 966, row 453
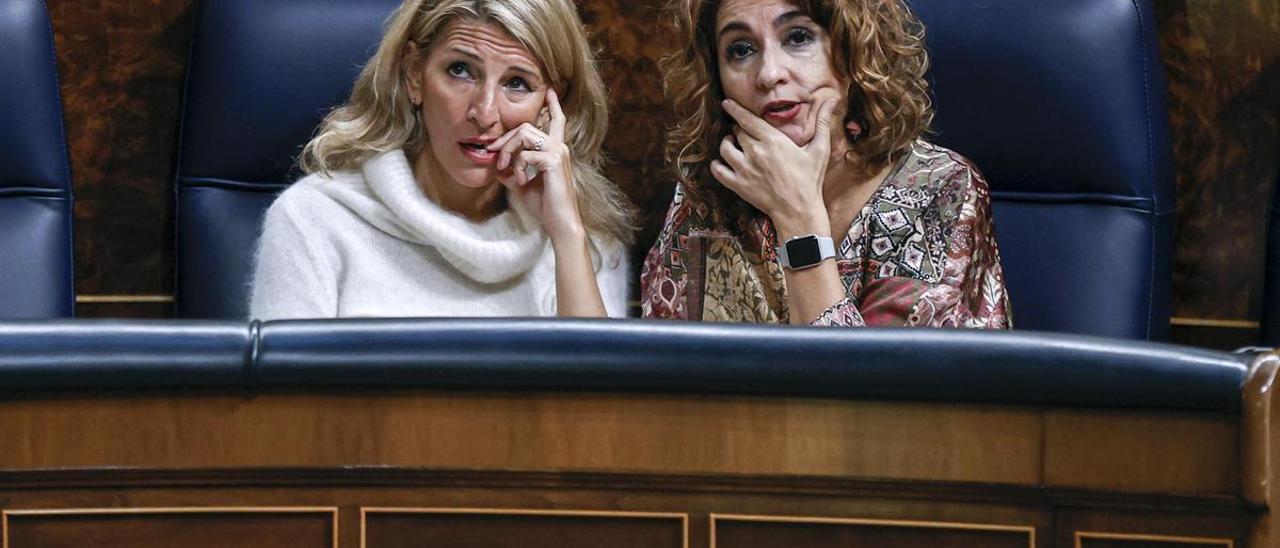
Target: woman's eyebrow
column 526, row 71
column 787, row 17
column 465, row 52
column 733, row 26
column 475, row 57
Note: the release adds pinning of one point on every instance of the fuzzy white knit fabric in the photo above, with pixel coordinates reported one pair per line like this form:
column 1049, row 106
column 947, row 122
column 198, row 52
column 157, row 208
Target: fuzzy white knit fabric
column 371, row 244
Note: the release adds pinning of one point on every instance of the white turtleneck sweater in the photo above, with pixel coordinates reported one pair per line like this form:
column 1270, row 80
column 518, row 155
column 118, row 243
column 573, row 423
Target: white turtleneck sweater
column 370, row 243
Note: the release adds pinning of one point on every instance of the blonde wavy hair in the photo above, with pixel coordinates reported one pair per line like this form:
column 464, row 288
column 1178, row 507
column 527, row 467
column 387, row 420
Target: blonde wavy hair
column 379, row 117
column 877, row 48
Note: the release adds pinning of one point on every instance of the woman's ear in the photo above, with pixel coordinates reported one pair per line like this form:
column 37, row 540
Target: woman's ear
column 410, row 73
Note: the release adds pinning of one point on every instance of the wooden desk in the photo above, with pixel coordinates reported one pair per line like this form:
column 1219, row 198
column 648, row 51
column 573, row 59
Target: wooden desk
column 390, row 468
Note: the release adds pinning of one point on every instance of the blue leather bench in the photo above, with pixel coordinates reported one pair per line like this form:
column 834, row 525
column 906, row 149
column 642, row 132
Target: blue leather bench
column 629, row 356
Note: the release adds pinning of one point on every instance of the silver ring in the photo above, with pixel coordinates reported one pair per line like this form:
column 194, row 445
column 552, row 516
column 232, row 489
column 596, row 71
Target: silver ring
column 538, row 145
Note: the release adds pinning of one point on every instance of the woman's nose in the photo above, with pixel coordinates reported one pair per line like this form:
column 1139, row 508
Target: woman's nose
column 773, row 69
column 483, row 110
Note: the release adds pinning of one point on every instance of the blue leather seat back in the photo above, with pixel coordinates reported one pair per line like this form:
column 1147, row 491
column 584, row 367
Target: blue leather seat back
column 36, row 274
column 1271, row 280
column 262, row 75
column 1061, row 104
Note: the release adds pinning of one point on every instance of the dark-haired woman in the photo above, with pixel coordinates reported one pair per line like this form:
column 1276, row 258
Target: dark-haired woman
column 806, row 193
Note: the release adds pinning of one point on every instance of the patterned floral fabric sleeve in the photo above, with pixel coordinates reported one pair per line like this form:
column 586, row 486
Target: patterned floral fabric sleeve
column 662, row 280
column 966, row 291
column 842, row 314
column 972, row 292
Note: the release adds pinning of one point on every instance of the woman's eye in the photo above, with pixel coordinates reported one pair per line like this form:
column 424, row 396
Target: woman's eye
column 739, row 50
column 459, row 70
column 519, row 84
column 799, row 37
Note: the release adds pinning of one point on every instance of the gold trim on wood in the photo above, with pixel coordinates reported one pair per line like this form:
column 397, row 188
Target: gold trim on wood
column 1030, row 530
column 124, row 299
column 1209, row 322
column 1081, row 535
column 4, row 515
column 365, row 511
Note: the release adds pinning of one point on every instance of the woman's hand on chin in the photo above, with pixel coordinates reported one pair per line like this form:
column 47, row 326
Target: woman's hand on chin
column 537, row 169
column 784, row 180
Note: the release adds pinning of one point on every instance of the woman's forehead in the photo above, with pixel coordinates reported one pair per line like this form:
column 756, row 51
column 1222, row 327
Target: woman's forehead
column 751, row 11
column 486, row 39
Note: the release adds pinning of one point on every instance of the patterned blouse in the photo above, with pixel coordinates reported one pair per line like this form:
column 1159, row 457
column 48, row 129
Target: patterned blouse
column 921, row 252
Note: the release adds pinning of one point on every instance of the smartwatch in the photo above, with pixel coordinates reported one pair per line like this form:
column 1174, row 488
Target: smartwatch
column 806, row 251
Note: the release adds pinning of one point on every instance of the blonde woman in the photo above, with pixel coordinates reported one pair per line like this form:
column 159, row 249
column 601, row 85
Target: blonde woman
column 806, row 194
column 461, row 178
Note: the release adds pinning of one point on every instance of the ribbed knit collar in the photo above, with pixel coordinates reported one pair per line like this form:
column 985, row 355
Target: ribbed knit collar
column 389, row 198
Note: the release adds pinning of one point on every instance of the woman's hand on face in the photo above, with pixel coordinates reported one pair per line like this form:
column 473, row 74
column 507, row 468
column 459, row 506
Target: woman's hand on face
column 765, row 168
column 537, row 169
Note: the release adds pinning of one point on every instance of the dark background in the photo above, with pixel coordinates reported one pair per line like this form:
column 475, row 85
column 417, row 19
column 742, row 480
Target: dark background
column 122, row 63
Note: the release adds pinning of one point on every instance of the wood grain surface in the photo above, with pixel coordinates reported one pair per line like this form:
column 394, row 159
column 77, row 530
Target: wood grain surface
column 814, row 471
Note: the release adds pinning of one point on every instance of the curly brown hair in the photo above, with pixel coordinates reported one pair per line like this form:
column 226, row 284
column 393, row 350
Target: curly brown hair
column 877, row 47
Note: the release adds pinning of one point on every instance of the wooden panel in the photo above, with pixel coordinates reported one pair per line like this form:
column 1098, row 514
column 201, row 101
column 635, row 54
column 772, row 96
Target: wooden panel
column 632, row 37
column 780, row 532
column 178, row 528
column 462, row 528
column 354, row 488
column 1110, row 540
column 1143, row 451
column 1226, row 338
column 121, row 65
column 627, row 433
column 1222, row 60
column 357, row 487
column 1118, row 528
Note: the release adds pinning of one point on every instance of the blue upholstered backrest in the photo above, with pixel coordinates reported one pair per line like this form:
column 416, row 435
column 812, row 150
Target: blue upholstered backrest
column 1061, row 104
column 1271, row 281
column 36, row 277
column 262, row 74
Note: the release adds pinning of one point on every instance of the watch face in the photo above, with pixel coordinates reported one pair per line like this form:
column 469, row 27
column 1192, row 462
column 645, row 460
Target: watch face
column 803, row 252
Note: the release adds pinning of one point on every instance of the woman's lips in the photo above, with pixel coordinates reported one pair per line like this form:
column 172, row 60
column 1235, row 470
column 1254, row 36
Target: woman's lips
column 781, row 112
column 478, row 154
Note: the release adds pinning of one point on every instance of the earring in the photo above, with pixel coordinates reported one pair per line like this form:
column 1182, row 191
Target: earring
column 854, row 130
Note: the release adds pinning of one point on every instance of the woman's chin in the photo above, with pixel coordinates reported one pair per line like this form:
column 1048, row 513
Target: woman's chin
column 476, row 177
